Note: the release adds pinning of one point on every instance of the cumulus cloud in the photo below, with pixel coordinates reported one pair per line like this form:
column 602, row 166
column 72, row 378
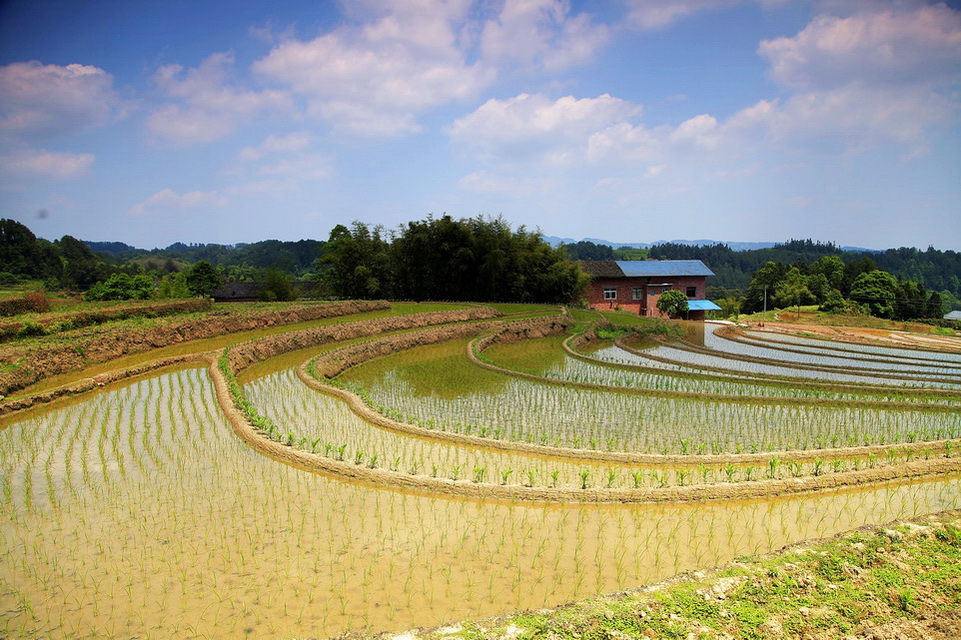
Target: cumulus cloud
column 874, row 77
column 877, row 48
column 541, row 34
column 302, row 166
column 205, row 105
column 373, row 78
column 289, row 143
column 603, row 131
column 40, row 101
column 649, row 15
column 169, row 200
column 398, row 58
column 48, row 164
column 484, row 182
column 535, row 124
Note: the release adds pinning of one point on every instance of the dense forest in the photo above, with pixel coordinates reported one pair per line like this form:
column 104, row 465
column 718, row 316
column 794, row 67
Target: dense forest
column 432, row 259
column 935, row 270
column 239, row 261
column 468, row 259
column 446, row 259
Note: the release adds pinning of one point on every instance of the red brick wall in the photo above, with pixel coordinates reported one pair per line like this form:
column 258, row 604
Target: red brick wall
column 595, row 292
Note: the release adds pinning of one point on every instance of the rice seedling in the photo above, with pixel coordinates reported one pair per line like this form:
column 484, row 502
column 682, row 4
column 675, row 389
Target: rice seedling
column 148, row 483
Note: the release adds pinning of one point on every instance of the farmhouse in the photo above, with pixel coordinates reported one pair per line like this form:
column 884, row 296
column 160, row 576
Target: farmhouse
column 636, row 285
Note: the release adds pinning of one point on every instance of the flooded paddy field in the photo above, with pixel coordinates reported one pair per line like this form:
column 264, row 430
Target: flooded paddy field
column 137, row 511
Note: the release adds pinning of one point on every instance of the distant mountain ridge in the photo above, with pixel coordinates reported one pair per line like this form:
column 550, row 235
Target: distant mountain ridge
column 733, row 245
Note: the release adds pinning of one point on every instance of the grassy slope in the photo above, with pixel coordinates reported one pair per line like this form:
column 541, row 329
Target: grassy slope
column 900, row 580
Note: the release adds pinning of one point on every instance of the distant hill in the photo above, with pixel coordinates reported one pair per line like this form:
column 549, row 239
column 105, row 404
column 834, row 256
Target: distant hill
column 109, row 248
column 294, row 257
column 734, row 263
column 733, row 245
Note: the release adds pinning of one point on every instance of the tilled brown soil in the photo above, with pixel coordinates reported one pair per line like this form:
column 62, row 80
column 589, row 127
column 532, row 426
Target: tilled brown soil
column 864, row 335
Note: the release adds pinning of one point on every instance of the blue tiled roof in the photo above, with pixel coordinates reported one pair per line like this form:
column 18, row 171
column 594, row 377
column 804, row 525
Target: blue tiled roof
column 660, row 268
column 702, row 305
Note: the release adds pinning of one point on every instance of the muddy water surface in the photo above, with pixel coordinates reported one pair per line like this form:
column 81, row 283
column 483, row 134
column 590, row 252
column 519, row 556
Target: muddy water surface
column 139, row 513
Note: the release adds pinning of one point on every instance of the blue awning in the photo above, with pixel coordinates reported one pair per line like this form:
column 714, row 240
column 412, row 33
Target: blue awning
column 702, row 305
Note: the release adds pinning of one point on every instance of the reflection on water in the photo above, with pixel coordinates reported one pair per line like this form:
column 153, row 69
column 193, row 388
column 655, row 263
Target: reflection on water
column 139, row 513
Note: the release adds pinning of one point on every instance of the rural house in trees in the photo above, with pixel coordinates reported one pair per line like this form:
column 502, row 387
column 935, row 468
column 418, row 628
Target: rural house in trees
column 636, row 285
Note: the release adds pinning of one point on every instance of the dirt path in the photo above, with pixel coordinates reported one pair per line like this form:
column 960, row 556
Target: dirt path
column 862, row 335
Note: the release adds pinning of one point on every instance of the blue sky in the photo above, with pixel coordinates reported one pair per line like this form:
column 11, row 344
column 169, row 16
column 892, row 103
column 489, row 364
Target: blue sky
column 629, row 120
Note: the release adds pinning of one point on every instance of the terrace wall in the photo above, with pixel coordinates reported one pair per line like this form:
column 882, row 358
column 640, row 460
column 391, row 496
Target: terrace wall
column 45, row 360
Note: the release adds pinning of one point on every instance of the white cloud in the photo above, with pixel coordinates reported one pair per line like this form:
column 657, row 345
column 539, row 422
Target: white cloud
column 208, row 107
column 374, row 78
column 263, row 188
column 483, row 182
column 40, row 101
column 169, row 200
column 528, row 125
column 289, row 143
column 49, row 164
column 920, row 46
column 849, row 119
column 658, row 14
column 305, row 166
column 875, row 77
column 699, row 131
column 540, row 34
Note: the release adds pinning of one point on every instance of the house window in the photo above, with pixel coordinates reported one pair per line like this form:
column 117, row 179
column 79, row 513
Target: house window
column 637, row 293
column 691, row 292
column 610, row 293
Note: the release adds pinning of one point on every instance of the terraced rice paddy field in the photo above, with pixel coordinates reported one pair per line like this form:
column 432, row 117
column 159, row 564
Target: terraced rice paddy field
column 382, row 471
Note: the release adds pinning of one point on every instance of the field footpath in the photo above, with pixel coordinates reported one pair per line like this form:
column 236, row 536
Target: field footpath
column 864, row 372
column 575, row 342
column 482, row 343
column 243, row 355
column 336, row 361
column 42, row 361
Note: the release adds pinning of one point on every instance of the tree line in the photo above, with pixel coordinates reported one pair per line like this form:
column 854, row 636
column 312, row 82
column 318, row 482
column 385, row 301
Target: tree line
column 479, row 259
column 124, row 273
column 935, row 270
column 856, row 287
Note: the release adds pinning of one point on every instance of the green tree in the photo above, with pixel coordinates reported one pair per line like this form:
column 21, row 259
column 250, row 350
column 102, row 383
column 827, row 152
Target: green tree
column 442, row 258
column 202, row 278
column 121, row 286
column 277, row 285
column 831, row 267
column 878, row 290
column 173, row 285
column 586, row 250
column 793, row 290
column 673, row 303
column 82, row 268
column 355, row 263
column 834, row 302
column 23, row 255
column 762, row 286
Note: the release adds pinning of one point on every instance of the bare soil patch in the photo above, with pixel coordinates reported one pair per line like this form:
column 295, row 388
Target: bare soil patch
column 865, row 335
